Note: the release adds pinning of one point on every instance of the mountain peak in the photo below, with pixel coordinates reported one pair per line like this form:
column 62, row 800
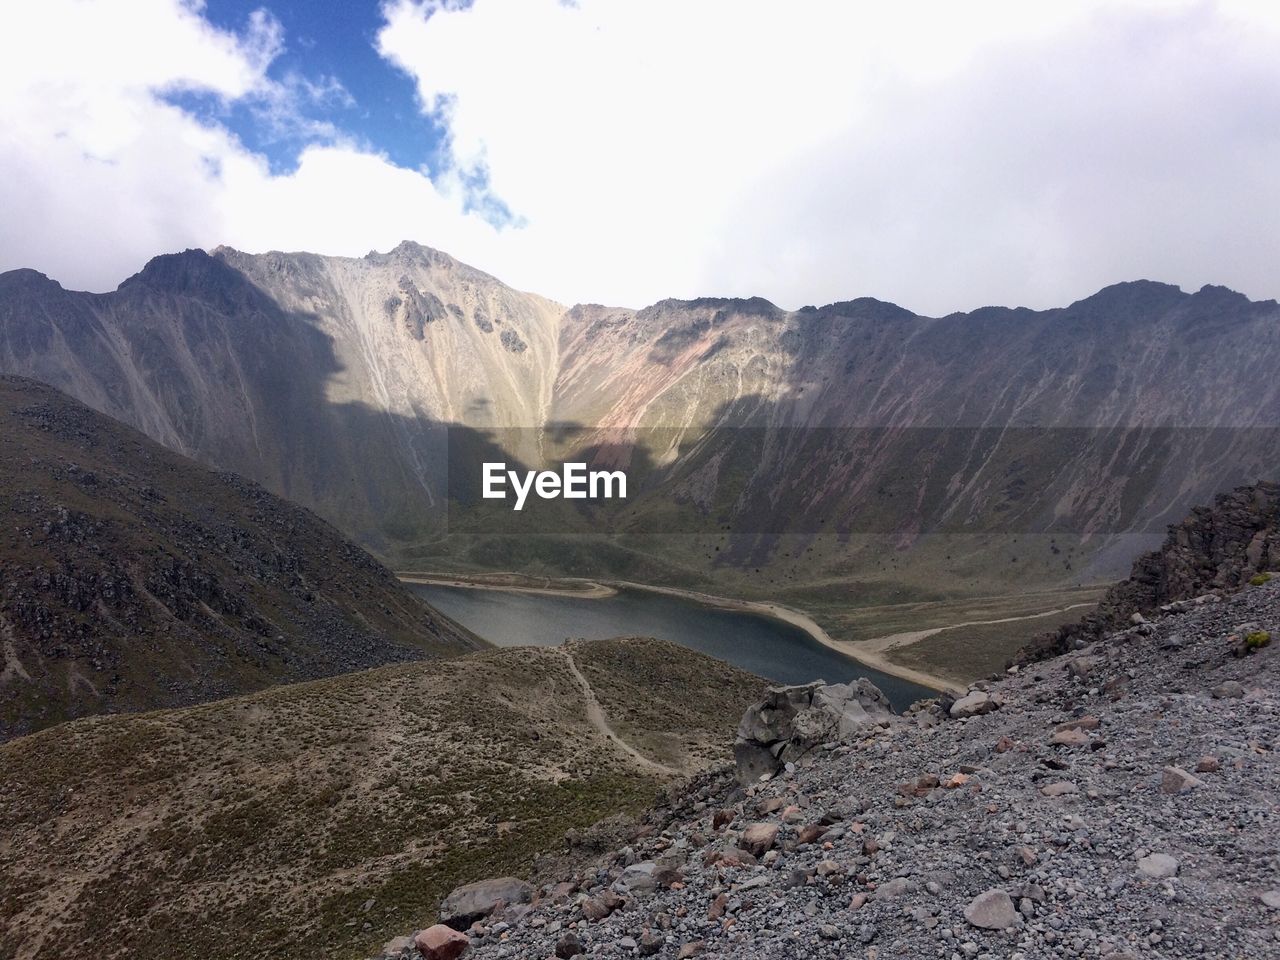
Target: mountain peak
column 180, row 269
column 25, row 278
column 1134, row 293
column 867, row 307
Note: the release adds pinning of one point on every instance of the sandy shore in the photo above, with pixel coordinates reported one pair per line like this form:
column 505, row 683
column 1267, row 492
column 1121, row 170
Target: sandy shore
column 582, row 589
column 871, row 657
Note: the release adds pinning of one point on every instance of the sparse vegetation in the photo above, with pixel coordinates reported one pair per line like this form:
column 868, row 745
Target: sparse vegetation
column 1256, row 640
column 261, row 826
column 1259, row 579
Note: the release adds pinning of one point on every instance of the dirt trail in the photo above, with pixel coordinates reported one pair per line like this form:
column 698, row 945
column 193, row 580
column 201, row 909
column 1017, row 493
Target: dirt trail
column 598, row 720
column 877, row 645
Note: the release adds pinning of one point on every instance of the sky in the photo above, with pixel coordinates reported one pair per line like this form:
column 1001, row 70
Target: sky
column 940, row 155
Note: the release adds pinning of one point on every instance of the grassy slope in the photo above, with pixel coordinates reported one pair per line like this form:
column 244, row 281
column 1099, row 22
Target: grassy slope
column 656, row 709
column 259, row 826
column 964, row 653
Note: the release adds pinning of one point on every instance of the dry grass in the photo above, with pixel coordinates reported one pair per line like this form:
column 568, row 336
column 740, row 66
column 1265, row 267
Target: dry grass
column 660, row 711
column 260, row 826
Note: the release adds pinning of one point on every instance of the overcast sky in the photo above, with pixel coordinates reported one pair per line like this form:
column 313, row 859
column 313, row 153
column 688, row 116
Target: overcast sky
column 942, row 155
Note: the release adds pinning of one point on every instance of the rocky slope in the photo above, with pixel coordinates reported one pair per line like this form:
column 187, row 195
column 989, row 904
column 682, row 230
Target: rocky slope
column 134, row 578
column 1117, row 802
column 318, row 819
column 855, row 440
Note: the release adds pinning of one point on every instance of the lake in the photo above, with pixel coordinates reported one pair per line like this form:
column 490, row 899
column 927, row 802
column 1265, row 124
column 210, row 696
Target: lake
column 767, row 647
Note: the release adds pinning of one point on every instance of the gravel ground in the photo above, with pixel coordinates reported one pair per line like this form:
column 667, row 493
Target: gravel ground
column 1120, row 802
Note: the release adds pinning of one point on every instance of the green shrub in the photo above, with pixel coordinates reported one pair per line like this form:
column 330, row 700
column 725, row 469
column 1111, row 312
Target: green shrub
column 1259, row 579
column 1257, row 639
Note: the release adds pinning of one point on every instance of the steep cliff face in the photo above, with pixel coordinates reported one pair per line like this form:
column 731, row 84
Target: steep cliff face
column 135, row 578
column 1217, row 548
column 371, row 388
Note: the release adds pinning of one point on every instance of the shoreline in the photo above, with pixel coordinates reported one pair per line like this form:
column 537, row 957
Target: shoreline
column 800, row 619
column 585, row 589
column 590, row 590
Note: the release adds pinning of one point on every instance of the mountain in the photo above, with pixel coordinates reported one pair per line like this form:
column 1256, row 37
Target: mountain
column 135, row 578
column 768, row 450
column 325, row 379
column 1117, row 801
column 318, row 819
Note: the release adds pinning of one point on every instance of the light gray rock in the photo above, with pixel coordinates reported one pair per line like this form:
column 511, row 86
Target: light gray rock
column 975, row 704
column 793, row 721
column 1158, row 866
column 992, row 910
column 475, row 901
column 1228, row 690
column 638, row 878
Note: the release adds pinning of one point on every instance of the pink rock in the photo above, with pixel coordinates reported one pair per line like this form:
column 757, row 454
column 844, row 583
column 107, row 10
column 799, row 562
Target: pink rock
column 1071, row 737
column 1177, row 780
column 441, row 943
column 759, row 837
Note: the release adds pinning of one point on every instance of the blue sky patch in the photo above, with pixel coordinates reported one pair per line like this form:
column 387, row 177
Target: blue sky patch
column 332, row 84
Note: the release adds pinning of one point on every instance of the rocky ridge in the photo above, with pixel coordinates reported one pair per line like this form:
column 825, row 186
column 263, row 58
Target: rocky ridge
column 1116, row 801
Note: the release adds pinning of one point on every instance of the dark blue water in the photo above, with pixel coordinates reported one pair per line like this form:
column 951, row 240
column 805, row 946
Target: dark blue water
column 767, row 647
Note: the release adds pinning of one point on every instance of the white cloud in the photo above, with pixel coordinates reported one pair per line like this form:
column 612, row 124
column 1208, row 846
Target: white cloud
column 98, row 172
column 939, row 154
column 944, row 155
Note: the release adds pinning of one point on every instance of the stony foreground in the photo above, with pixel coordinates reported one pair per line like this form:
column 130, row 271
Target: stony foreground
column 1117, row 801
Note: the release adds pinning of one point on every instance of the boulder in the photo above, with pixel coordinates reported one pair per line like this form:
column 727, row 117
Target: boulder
column 601, row 905
column 975, row 704
column 569, row 946
column 892, row 889
column 791, row 721
column 1069, row 738
column 1158, row 866
column 992, row 910
column 759, row 837
column 1176, row 780
column 441, row 943
column 638, row 878
column 475, row 901
column 650, row 943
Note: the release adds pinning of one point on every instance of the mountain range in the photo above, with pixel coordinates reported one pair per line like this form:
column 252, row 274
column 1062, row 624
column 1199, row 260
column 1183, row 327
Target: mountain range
column 768, row 449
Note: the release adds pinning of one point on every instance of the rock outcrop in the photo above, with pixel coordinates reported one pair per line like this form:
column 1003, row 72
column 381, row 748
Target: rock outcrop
column 791, row 721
